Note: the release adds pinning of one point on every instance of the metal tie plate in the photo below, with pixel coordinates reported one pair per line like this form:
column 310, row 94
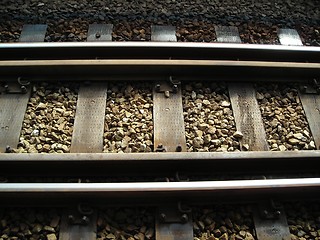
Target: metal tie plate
column 89, row 119
column 163, row 33
column 173, row 224
column 33, row 33
column 227, row 34
column 288, row 36
column 78, row 225
column 270, row 223
column 100, row 32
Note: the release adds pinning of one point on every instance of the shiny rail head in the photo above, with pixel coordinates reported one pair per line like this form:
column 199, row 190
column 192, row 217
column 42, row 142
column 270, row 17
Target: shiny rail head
column 211, row 186
column 158, row 45
column 154, row 156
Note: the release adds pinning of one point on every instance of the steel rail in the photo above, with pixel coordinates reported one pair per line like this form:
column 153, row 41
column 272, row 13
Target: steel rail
column 151, row 187
column 154, row 62
column 163, row 50
column 172, row 156
column 158, row 192
column 155, row 68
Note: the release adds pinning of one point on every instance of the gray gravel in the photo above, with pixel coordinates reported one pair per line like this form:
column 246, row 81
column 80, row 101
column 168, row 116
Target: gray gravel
column 126, row 224
column 129, row 123
column 48, row 122
column 304, row 220
column 284, row 118
column 223, row 222
column 29, row 224
column 208, row 117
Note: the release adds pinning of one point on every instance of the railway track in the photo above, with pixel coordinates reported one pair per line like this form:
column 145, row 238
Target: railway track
column 200, row 124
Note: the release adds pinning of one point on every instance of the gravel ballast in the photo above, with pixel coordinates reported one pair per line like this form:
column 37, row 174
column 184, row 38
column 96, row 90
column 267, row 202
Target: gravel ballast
column 128, row 122
column 304, row 220
column 10, row 31
column 48, row 123
column 29, row 224
column 284, row 118
column 126, row 224
column 223, row 222
column 196, row 31
column 208, row 117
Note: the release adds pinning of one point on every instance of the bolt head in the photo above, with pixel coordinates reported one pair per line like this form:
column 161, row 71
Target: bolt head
column 162, row 217
column 71, row 219
column 184, row 218
column 85, row 220
column 179, row 148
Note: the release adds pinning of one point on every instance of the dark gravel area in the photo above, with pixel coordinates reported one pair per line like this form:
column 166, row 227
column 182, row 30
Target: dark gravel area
column 10, row 31
column 195, row 20
column 223, row 222
column 310, row 35
column 138, row 30
column 196, row 31
column 67, row 30
column 304, row 220
column 29, row 224
column 258, row 33
column 296, row 10
column 126, row 223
